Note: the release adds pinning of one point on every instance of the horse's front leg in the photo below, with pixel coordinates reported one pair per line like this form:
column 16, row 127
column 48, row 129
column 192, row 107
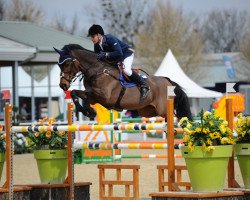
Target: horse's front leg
column 85, row 108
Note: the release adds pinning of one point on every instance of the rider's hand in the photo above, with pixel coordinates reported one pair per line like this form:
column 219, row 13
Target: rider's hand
column 101, row 55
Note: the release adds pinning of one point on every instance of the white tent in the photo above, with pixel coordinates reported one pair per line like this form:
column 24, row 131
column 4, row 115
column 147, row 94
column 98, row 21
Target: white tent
column 171, row 69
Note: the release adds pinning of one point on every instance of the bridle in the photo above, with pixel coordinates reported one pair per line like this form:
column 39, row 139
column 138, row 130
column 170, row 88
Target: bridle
column 70, row 78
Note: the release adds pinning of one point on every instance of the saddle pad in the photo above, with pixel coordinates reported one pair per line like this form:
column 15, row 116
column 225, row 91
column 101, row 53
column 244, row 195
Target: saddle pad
column 129, row 84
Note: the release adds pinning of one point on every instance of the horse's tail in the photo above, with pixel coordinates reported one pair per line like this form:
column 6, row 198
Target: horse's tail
column 181, row 103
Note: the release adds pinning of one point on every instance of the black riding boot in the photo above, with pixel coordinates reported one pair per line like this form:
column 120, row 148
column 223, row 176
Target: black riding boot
column 144, row 88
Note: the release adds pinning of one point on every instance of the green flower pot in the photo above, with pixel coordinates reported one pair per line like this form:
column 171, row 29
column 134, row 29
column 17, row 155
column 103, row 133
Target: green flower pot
column 207, row 170
column 2, row 159
column 242, row 151
column 52, row 165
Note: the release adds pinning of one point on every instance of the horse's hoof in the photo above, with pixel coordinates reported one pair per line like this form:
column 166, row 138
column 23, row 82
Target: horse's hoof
column 92, row 114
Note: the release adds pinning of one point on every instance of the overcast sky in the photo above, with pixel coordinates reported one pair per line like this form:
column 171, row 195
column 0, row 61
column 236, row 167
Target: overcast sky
column 68, row 8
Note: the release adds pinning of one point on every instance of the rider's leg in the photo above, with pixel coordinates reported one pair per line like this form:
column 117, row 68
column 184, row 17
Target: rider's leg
column 133, row 76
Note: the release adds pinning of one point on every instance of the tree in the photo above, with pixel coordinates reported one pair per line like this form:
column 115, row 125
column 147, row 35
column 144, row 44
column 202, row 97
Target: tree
column 124, row 18
column 223, row 30
column 167, row 28
column 2, row 8
column 245, row 42
column 60, row 24
column 19, row 10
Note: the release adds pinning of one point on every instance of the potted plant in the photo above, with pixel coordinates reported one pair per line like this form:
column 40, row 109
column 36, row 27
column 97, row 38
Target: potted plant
column 2, row 149
column 208, row 146
column 50, row 152
column 242, row 147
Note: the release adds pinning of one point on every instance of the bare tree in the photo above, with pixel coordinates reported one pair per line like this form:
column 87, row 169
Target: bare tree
column 60, row 24
column 124, row 18
column 168, row 28
column 24, row 10
column 223, row 30
column 2, row 8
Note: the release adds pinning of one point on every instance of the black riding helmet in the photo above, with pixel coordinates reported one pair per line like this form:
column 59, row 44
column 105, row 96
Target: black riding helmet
column 95, row 29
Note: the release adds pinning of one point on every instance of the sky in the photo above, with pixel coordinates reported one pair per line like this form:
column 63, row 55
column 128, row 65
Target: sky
column 68, row 8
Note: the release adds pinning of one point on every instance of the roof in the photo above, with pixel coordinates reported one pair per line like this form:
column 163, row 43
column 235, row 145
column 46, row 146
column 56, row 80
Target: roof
column 43, row 39
column 170, row 68
column 11, row 50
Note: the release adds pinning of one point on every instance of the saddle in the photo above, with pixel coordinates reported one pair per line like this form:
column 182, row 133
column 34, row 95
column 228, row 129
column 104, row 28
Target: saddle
column 124, row 79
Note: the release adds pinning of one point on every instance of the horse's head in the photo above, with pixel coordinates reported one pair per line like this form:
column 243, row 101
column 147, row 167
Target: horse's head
column 69, row 67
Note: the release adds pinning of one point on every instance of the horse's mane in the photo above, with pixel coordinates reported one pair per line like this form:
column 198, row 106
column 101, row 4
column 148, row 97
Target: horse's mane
column 71, row 47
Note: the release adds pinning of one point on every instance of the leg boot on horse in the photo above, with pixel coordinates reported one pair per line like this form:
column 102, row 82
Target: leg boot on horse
column 143, row 85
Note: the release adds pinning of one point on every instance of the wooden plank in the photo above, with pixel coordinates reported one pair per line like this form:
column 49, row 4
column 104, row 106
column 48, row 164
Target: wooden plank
column 118, row 174
column 186, row 194
column 136, row 183
column 170, row 141
column 101, row 185
column 110, row 166
column 115, row 182
column 127, row 191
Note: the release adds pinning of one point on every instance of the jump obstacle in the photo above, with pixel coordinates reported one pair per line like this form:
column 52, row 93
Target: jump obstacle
column 172, row 186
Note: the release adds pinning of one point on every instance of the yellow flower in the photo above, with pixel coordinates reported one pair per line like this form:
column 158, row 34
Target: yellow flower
column 222, row 128
column 51, row 120
column 225, row 140
column 183, row 119
column 48, row 134
column 206, row 130
column 224, row 123
column 206, row 114
column 248, row 121
column 214, row 135
column 62, row 132
column 36, row 134
column 197, row 130
column 186, row 138
column 189, row 126
column 210, row 148
column 190, row 146
column 209, row 142
column 240, row 115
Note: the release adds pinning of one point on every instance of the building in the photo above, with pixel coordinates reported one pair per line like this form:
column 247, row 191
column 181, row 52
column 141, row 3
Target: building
column 28, row 63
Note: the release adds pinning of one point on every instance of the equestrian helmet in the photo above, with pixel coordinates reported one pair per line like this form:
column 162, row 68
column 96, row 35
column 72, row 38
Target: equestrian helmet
column 95, row 29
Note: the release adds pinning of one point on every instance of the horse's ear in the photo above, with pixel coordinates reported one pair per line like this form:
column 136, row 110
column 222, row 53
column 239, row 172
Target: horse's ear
column 58, row 51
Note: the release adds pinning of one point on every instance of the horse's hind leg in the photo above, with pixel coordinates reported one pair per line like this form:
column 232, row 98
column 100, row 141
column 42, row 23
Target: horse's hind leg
column 85, row 109
column 148, row 111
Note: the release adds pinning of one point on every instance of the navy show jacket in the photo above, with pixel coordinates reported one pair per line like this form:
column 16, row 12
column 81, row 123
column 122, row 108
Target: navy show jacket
column 117, row 49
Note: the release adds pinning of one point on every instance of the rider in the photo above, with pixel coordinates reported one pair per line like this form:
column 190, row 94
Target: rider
column 112, row 49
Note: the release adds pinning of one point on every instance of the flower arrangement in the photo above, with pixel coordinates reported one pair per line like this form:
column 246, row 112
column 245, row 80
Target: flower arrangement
column 243, row 129
column 209, row 132
column 2, row 139
column 48, row 139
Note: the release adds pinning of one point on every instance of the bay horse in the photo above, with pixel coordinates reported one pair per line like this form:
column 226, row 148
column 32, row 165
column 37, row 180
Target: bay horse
column 102, row 85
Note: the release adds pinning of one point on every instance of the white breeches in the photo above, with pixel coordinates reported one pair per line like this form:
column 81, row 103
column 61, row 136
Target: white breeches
column 127, row 65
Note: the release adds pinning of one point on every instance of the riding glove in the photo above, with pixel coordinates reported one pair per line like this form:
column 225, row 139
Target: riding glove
column 101, row 55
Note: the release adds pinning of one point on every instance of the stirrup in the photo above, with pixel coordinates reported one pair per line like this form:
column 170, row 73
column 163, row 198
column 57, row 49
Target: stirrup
column 145, row 92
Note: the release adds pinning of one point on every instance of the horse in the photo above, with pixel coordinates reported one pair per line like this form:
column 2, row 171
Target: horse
column 102, row 84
